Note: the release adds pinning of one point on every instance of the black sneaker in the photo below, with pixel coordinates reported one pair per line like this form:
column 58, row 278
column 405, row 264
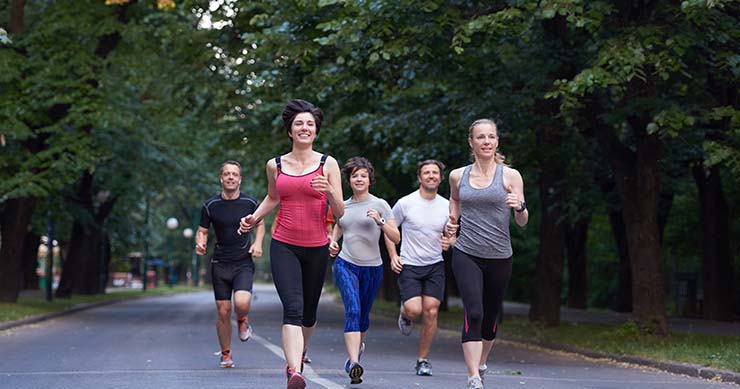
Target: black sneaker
column 423, row 367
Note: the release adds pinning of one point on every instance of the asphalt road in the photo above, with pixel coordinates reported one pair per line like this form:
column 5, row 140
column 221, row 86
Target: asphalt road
column 169, row 342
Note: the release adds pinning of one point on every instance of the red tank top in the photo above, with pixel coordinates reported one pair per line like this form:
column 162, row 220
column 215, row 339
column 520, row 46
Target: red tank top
column 302, row 213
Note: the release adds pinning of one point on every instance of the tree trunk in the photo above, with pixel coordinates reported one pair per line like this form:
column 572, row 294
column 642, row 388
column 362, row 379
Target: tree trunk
column 548, row 282
column 639, row 188
column 575, row 245
column 14, row 223
column 31, row 260
column 623, row 301
column 638, row 176
column 545, row 305
column 717, row 272
column 81, row 272
column 17, row 17
column 86, row 262
column 607, row 184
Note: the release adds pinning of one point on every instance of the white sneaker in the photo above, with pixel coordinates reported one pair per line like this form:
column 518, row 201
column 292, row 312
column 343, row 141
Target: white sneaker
column 245, row 329
column 482, row 369
column 226, row 361
column 474, row 383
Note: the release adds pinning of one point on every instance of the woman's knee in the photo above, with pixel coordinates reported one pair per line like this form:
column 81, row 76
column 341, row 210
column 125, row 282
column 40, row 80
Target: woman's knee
column 474, row 315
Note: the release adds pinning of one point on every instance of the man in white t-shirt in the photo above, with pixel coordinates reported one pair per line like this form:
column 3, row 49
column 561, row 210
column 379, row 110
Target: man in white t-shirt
column 422, row 216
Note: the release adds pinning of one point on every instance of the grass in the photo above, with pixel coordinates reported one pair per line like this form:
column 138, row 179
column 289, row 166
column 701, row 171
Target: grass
column 719, row 352
column 36, row 305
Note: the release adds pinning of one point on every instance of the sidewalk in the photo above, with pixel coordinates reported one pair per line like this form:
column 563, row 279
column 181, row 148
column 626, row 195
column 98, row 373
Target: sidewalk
column 676, row 324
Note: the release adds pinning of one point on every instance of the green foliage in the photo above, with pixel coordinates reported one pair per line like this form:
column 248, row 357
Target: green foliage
column 399, row 81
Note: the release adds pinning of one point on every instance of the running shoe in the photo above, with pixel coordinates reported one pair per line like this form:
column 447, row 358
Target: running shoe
column 404, row 325
column 295, row 379
column 482, row 369
column 355, row 373
column 245, row 329
column 226, row 361
column 474, row 383
column 359, row 357
column 423, row 367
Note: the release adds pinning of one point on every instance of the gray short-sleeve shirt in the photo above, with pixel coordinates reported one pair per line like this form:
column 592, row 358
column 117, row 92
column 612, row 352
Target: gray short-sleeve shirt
column 361, row 235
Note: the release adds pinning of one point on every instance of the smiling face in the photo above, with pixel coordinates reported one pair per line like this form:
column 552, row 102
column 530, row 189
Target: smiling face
column 360, row 181
column 483, row 140
column 303, row 128
column 231, row 177
column 430, row 177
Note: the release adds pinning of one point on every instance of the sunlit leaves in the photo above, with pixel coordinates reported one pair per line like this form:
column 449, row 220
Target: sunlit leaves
column 161, row 4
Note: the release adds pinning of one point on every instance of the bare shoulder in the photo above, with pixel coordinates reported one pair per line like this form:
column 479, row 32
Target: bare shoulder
column 456, row 174
column 271, row 164
column 512, row 175
column 331, row 161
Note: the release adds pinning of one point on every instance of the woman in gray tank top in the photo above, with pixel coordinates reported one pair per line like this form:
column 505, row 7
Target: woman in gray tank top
column 482, row 198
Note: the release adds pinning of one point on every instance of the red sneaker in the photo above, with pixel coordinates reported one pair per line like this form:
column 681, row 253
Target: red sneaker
column 226, row 361
column 295, row 379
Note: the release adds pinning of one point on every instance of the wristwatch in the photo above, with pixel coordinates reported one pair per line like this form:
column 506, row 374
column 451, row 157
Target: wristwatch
column 381, row 223
column 523, row 207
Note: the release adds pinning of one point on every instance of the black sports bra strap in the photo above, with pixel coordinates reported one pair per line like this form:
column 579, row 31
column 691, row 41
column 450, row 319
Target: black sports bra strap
column 277, row 162
column 323, row 159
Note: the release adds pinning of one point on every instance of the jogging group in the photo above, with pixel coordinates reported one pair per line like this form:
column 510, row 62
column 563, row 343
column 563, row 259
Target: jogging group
column 315, row 224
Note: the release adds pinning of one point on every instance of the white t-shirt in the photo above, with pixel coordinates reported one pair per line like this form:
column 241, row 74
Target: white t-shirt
column 361, row 235
column 422, row 222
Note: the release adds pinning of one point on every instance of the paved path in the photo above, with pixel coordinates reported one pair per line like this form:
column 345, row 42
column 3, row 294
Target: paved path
column 169, row 342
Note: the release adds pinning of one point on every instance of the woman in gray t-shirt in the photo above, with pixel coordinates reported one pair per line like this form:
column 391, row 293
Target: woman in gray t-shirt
column 358, row 268
column 483, row 196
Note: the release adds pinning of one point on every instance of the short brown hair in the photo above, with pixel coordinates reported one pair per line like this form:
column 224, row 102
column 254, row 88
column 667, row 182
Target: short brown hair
column 356, row 163
column 231, row 162
column 298, row 106
column 425, row 162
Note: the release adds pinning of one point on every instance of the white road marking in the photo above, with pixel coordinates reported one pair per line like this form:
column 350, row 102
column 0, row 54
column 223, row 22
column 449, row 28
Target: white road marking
column 307, row 370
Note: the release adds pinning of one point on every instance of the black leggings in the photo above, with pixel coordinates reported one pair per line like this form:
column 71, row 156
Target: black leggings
column 298, row 273
column 482, row 284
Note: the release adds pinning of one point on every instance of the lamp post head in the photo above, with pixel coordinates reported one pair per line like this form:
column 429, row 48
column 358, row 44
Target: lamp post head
column 172, row 223
column 187, row 233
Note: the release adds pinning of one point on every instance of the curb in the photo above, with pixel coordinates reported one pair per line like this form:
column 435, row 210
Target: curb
column 46, row 316
column 76, row 308
column 668, row 366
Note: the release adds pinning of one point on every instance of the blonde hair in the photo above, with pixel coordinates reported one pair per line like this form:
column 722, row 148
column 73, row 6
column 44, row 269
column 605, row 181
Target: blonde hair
column 498, row 158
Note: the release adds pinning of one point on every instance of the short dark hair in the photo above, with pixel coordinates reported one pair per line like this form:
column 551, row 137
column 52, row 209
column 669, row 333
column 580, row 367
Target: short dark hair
column 231, row 162
column 356, row 163
column 425, row 162
column 297, row 106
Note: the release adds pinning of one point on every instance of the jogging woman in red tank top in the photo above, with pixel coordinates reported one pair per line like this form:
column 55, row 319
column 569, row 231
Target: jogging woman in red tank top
column 303, row 182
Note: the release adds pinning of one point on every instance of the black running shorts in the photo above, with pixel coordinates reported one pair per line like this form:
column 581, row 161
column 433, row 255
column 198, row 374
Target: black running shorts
column 422, row 281
column 229, row 277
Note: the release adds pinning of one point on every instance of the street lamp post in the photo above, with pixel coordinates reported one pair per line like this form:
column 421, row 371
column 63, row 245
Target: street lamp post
column 172, row 224
column 188, row 234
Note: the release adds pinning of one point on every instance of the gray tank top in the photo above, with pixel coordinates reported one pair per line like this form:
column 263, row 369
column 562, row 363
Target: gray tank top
column 484, row 223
